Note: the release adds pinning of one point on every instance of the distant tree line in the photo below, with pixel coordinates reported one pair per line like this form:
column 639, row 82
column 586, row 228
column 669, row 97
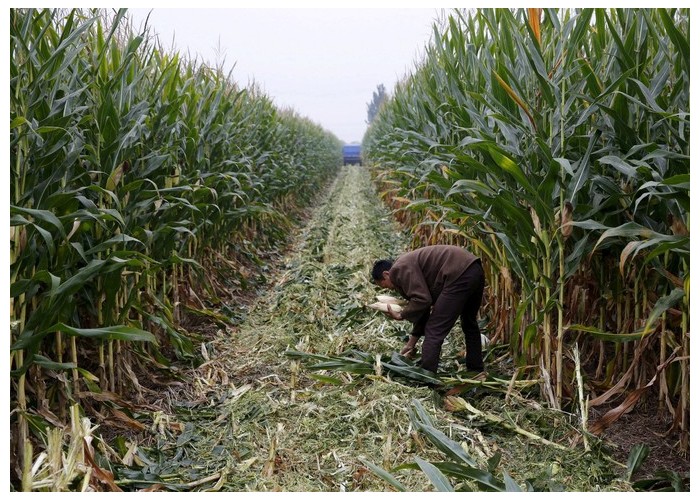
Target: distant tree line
column 378, row 98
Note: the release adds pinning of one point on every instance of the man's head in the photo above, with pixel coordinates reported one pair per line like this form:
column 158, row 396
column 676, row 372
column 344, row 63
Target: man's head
column 380, row 274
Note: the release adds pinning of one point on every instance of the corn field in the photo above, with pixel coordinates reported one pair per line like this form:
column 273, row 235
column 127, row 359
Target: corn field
column 150, row 192
column 142, row 185
column 555, row 143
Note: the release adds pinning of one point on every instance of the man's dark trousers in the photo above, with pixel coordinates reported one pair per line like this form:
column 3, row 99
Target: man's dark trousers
column 460, row 298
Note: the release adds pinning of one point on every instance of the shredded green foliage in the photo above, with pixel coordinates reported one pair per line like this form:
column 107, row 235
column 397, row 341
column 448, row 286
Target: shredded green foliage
column 261, row 415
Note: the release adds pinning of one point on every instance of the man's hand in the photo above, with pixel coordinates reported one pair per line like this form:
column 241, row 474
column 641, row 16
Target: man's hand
column 392, row 313
column 409, row 350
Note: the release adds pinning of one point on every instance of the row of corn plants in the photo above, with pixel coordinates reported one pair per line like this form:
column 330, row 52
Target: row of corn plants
column 555, row 143
column 141, row 185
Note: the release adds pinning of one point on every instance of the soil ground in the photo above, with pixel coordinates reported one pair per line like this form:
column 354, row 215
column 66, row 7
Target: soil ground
column 646, row 425
column 253, row 417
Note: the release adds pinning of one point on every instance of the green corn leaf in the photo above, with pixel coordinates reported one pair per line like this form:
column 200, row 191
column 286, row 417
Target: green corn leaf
column 445, row 444
column 679, row 40
column 65, row 45
column 45, row 362
column 344, row 365
column 18, row 122
column 589, row 224
column 609, row 336
column 485, row 480
column 399, row 360
column 530, row 335
column 413, row 372
column 382, row 474
column 650, row 100
column 663, row 304
column 638, row 454
column 619, row 164
column 40, row 215
column 21, row 286
column 304, row 355
column 177, row 339
column 681, row 181
column 119, row 332
column 79, row 279
column 115, row 240
column 470, row 186
column 47, row 237
column 436, row 477
column 630, row 230
column 510, row 485
column 678, row 244
column 511, row 167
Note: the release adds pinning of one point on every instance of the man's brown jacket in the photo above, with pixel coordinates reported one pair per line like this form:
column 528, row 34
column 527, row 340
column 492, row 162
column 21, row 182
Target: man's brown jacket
column 420, row 275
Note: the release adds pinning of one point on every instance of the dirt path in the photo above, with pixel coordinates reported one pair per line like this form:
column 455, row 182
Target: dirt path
column 260, row 420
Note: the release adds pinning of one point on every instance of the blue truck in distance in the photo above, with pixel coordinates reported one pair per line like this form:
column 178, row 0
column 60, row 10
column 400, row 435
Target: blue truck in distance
column 351, row 154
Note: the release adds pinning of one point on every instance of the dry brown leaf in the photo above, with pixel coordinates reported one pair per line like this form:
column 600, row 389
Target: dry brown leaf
column 102, row 475
column 124, row 418
column 153, row 487
column 628, row 404
column 51, row 418
column 621, row 384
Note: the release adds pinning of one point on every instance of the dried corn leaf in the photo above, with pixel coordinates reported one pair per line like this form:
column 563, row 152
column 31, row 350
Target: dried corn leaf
column 125, row 419
column 628, row 404
column 102, row 475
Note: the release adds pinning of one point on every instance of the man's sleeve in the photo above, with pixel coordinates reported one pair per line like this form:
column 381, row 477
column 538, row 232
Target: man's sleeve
column 415, row 289
column 419, row 326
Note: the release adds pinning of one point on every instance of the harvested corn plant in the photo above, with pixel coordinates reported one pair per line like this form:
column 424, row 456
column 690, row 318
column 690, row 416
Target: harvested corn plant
column 554, row 143
column 143, row 187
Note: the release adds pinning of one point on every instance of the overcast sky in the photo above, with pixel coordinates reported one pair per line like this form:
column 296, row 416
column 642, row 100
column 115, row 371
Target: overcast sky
column 323, row 63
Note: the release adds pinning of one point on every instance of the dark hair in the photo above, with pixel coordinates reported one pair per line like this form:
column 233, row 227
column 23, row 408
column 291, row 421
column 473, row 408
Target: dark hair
column 379, row 267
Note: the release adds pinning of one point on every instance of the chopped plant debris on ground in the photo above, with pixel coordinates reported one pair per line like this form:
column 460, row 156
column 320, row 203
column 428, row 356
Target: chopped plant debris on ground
column 308, row 393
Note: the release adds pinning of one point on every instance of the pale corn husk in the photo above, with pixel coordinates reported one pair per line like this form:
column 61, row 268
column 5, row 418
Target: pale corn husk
column 384, row 307
column 566, row 228
column 388, row 299
column 385, row 300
